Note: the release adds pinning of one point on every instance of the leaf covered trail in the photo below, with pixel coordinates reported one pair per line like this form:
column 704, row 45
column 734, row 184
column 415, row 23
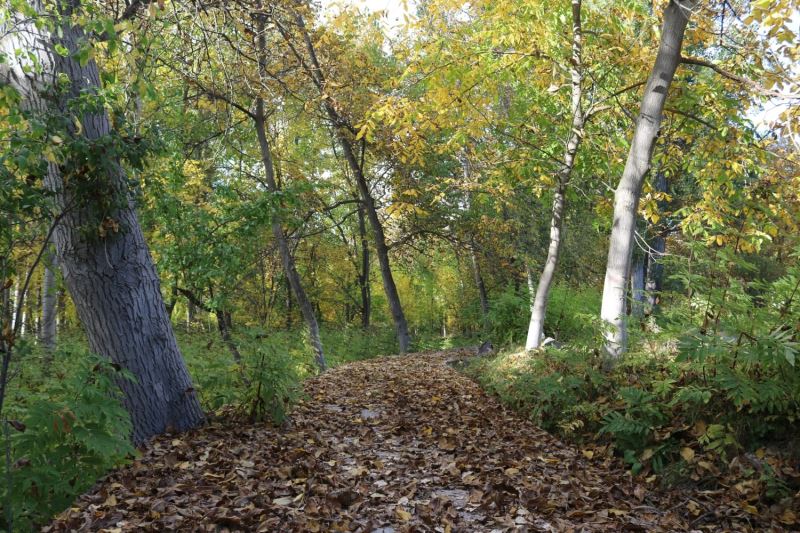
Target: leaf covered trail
column 387, row 445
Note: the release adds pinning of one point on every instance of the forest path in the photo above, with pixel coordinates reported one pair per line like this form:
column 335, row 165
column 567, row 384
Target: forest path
column 388, row 445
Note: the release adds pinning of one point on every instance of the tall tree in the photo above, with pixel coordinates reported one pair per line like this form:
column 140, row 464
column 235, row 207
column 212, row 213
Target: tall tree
column 628, row 192
column 344, row 133
column 108, row 272
column 259, row 120
column 539, row 306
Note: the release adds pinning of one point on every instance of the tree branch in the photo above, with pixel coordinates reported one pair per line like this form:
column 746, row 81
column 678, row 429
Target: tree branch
column 738, row 79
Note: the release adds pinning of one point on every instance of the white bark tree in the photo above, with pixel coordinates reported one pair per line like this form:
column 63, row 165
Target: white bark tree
column 47, row 329
column 626, row 197
column 542, row 292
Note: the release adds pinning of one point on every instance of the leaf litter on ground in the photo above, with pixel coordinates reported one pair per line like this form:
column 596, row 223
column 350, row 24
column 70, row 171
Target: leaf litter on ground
column 390, row 445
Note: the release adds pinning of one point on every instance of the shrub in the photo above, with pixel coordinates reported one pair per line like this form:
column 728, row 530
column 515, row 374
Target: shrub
column 64, row 440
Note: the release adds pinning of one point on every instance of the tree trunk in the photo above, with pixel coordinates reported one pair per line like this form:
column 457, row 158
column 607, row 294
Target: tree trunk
column 637, row 286
column 542, row 294
column 47, row 333
column 191, row 314
column 476, row 267
column 626, row 198
column 111, row 277
column 289, row 304
column 18, row 303
column 479, row 283
column 173, row 299
column 658, row 246
column 259, row 120
column 381, row 249
column 225, row 333
column 363, row 278
column 287, row 259
column 223, row 322
column 5, row 310
column 61, row 309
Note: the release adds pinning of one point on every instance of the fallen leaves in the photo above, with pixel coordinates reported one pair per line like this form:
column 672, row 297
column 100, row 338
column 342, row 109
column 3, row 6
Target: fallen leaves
column 687, row 454
column 397, row 445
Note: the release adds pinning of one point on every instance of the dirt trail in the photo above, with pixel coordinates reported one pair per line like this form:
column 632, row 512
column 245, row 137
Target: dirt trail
column 387, row 445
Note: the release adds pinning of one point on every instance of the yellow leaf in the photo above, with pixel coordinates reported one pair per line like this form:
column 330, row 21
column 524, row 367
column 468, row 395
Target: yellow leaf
column 402, row 514
column 286, row 500
column 788, row 517
column 588, row 454
column 750, row 508
column 687, row 454
column 704, row 465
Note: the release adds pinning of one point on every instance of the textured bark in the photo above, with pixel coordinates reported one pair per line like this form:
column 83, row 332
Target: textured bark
column 381, row 248
column 542, row 294
column 47, row 331
column 626, row 197
column 111, row 278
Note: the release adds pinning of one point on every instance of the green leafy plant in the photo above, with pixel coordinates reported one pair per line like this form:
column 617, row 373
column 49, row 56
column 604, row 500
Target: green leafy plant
column 64, row 441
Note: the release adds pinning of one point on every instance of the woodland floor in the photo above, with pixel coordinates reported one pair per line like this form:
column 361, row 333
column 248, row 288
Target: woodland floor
column 387, row 445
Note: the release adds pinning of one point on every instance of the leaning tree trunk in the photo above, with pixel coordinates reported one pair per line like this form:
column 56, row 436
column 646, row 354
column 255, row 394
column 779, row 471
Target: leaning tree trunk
column 626, row 197
column 539, row 307
column 381, row 249
column 483, row 297
column 480, row 284
column 289, row 268
column 292, row 276
column 110, row 276
column 18, row 297
column 47, row 330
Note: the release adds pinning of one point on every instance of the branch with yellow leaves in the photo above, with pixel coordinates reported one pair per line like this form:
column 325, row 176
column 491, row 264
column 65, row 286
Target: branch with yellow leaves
column 738, row 79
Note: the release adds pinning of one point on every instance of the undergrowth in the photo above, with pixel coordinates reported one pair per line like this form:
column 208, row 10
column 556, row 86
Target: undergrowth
column 67, row 426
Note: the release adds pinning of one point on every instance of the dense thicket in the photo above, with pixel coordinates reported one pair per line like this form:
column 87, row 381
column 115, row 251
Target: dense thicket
column 299, row 185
